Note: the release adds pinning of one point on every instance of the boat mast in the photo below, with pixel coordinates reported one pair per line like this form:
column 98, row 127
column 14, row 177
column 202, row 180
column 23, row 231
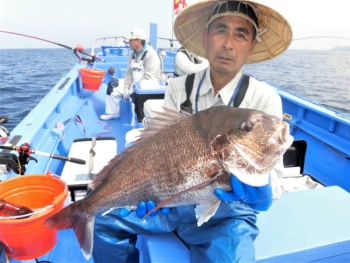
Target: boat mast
column 172, row 24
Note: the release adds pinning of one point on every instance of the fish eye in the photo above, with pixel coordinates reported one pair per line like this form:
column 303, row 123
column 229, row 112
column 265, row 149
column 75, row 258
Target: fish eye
column 246, row 126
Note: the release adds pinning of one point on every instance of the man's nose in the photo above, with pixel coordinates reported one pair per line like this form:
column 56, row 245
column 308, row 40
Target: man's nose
column 228, row 43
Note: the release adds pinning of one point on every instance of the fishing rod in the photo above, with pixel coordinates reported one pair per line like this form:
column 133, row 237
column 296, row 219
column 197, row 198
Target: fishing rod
column 320, row 37
column 25, row 148
column 79, row 48
column 18, row 163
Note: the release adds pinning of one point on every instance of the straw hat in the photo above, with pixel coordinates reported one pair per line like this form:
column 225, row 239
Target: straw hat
column 274, row 32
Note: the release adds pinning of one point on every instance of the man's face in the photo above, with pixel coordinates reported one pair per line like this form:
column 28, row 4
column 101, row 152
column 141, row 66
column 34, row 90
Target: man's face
column 135, row 45
column 229, row 41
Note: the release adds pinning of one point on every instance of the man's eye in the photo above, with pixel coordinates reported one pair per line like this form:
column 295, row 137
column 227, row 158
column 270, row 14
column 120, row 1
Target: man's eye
column 241, row 36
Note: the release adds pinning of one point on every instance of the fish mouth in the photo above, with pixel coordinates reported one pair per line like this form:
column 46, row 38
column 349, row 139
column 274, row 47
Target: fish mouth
column 276, row 131
column 282, row 136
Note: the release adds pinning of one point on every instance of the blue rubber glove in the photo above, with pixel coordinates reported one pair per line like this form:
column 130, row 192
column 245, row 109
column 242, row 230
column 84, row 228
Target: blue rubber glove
column 258, row 198
column 142, row 209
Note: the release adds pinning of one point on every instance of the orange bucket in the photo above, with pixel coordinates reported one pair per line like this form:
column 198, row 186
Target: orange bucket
column 91, row 78
column 28, row 238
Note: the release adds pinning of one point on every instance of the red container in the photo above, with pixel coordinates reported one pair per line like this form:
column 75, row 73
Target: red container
column 28, row 238
column 91, row 78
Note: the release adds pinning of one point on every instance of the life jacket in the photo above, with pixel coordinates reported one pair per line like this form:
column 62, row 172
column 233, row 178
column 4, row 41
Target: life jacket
column 137, row 68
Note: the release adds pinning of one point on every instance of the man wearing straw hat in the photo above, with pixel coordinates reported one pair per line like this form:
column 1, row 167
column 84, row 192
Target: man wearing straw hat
column 229, row 34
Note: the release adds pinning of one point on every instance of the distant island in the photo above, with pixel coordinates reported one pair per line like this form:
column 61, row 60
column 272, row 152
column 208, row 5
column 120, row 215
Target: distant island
column 344, row 48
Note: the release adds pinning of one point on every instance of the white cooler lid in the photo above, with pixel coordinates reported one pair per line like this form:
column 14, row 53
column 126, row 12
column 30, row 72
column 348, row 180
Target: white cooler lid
column 152, row 105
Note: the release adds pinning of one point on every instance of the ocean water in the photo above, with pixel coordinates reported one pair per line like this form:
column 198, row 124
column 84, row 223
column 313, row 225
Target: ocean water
column 26, row 76
column 320, row 76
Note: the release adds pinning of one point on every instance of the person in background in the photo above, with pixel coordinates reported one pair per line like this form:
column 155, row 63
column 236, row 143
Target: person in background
column 144, row 64
column 233, row 33
column 186, row 63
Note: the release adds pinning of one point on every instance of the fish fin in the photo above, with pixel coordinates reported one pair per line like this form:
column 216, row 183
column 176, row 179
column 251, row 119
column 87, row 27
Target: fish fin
column 164, row 119
column 104, row 171
column 83, row 226
column 204, row 211
column 163, row 203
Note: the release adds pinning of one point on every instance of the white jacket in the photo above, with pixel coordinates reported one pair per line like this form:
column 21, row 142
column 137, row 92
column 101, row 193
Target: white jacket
column 151, row 65
column 185, row 64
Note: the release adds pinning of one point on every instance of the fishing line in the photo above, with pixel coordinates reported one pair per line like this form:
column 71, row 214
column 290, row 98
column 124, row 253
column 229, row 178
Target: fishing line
column 106, row 124
column 79, row 48
column 42, row 261
column 78, row 120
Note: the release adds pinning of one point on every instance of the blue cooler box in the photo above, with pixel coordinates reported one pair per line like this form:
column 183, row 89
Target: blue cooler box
column 115, row 51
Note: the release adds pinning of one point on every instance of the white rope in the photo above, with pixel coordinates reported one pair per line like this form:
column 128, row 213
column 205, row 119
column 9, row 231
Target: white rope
column 27, row 215
column 108, row 211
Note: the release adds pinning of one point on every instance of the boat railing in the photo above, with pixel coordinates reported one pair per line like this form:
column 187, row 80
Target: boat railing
column 171, row 41
column 104, row 39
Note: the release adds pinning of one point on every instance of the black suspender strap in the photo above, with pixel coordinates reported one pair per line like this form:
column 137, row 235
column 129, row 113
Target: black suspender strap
column 187, row 105
column 143, row 56
column 242, row 91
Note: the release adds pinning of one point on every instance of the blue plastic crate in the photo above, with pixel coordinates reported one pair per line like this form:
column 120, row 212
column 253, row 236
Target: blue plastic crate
column 115, row 51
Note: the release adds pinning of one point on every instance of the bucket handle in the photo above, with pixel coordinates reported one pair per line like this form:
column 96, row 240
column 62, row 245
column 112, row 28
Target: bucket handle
column 27, row 215
column 62, row 196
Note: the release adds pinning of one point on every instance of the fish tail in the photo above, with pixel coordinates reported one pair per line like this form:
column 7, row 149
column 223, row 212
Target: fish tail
column 73, row 216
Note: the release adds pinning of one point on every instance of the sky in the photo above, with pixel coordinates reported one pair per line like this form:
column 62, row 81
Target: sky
column 73, row 22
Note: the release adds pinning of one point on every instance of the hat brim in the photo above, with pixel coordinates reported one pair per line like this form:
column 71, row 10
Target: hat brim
column 276, row 37
column 130, row 37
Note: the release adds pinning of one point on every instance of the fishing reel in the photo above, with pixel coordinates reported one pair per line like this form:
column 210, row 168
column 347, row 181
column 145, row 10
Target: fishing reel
column 80, row 49
column 15, row 162
column 10, row 161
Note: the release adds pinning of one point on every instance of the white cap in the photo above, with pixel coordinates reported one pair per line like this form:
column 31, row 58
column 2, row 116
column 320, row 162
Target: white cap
column 136, row 34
